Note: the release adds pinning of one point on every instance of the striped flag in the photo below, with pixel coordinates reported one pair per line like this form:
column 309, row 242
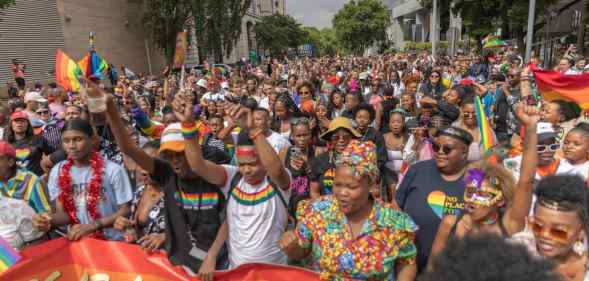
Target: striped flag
column 93, row 66
column 485, row 130
column 8, row 255
column 67, row 72
column 554, row 85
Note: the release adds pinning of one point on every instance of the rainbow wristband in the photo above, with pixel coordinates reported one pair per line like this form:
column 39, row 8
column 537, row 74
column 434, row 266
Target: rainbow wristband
column 189, row 130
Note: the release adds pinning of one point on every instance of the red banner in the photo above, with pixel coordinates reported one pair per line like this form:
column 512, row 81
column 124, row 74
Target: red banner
column 97, row 260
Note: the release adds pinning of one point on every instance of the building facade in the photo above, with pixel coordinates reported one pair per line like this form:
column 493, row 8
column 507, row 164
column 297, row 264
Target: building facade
column 32, row 31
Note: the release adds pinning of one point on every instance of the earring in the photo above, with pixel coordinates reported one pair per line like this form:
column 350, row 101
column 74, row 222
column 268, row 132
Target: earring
column 579, row 248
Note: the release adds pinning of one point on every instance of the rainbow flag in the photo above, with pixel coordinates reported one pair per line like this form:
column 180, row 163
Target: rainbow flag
column 67, row 72
column 554, row 85
column 8, row 256
column 485, row 129
column 93, row 66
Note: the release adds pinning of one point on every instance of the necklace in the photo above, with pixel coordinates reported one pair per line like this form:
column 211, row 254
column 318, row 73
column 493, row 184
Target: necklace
column 491, row 220
column 94, row 191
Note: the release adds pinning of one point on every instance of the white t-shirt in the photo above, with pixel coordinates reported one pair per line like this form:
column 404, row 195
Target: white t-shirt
column 256, row 218
column 210, row 96
column 581, row 169
column 514, row 166
column 265, row 103
column 278, row 141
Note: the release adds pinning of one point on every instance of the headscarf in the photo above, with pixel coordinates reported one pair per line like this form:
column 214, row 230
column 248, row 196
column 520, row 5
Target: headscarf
column 361, row 157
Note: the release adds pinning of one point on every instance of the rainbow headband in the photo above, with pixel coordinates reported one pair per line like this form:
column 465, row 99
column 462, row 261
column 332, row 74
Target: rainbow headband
column 478, row 194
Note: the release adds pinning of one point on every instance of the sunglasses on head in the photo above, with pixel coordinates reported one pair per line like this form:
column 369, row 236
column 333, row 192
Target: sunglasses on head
column 556, row 234
column 446, row 149
column 550, row 147
column 300, row 120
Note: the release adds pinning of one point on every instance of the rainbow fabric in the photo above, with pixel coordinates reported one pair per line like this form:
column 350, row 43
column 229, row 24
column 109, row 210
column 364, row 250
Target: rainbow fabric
column 67, row 72
column 8, row 256
column 93, row 66
column 483, row 123
column 554, row 85
column 251, row 199
column 198, row 201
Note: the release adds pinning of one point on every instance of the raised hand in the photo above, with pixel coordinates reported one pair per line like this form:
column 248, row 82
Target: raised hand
column 528, row 115
column 242, row 116
column 182, row 109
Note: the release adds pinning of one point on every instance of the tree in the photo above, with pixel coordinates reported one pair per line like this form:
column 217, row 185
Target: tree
column 5, row 4
column 277, row 33
column 324, row 41
column 163, row 19
column 360, row 24
column 217, row 26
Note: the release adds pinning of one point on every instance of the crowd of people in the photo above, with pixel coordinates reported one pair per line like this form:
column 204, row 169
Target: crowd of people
column 358, row 168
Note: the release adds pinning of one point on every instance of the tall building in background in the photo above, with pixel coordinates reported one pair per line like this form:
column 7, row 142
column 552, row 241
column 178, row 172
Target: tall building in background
column 32, row 30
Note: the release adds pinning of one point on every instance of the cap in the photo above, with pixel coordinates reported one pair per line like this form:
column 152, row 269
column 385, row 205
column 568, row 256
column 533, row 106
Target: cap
column 172, row 138
column 203, row 83
column 19, row 115
column 7, row 150
column 34, row 96
column 456, row 133
column 545, row 131
column 340, row 123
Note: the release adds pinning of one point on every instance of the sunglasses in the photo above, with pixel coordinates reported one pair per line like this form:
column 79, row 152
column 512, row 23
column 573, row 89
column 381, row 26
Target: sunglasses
column 557, row 234
column 551, row 147
column 434, row 76
column 446, row 149
column 43, row 112
column 345, row 137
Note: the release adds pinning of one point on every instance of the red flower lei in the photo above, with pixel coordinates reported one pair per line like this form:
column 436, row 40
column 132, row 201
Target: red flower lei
column 94, row 191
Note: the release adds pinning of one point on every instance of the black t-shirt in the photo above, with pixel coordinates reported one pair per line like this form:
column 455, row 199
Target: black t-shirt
column 427, row 197
column 191, row 205
column 323, row 172
column 29, row 152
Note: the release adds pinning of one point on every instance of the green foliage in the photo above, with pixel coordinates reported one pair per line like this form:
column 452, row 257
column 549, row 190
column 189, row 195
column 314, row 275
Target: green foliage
column 360, row 24
column 217, row 26
column 277, row 33
column 5, row 3
column 482, row 17
column 163, row 19
column 324, row 41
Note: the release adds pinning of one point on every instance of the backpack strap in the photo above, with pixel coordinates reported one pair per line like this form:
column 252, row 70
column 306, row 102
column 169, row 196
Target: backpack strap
column 237, row 177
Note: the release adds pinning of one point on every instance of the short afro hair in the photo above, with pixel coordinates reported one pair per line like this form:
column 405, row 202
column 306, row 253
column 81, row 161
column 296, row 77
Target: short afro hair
column 563, row 189
column 366, row 107
column 488, row 258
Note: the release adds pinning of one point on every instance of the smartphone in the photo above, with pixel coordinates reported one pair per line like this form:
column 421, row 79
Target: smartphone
column 296, row 152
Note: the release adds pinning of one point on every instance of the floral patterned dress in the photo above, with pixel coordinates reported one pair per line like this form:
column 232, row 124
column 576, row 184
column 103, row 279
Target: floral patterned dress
column 387, row 239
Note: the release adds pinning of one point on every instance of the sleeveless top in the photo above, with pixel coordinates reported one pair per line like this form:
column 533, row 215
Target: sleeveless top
column 395, row 158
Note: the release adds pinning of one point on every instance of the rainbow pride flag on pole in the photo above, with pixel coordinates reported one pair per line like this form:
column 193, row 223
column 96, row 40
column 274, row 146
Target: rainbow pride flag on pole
column 485, row 129
column 554, row 85
column 93, row 66
column 67, row 72
column 8, row 256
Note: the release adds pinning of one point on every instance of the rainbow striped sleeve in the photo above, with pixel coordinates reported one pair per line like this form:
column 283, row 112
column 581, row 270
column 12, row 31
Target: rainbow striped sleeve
column 36, row 196
column 145, row 124
column 8, row 255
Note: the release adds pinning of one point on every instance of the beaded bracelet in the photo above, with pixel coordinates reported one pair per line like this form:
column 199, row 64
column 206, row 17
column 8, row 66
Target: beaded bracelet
column 189, row 130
